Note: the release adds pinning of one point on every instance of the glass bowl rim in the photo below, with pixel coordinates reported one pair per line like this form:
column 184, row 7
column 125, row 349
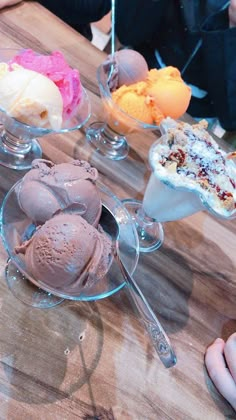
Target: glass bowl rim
column 43, row 131
column 107, row 93
column 46, row 288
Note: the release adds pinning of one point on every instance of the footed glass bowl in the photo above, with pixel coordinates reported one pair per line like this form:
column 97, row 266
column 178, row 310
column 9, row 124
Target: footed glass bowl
column 164, row 201
column 18, row 141
column 109, row 136
column 15, row 224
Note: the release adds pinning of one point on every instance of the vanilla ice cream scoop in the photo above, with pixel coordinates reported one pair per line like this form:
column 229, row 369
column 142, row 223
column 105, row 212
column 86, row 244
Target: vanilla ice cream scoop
column 31, row 98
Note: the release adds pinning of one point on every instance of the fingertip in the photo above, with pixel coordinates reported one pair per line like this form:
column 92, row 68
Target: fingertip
column 214, row 352
column 230, row 344
column 219, row 341
column 230, row 354
column 232, row 338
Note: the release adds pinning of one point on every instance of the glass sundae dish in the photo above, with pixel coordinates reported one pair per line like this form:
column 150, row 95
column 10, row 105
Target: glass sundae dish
column 190, row 173
column 54, row 282
column 39, row 95
column 134, row 100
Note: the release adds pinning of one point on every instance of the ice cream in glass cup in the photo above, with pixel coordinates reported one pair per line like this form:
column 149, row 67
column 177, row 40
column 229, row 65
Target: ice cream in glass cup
column 52, row 231
column 134, row 100
column 40, row 94
column 190, row 173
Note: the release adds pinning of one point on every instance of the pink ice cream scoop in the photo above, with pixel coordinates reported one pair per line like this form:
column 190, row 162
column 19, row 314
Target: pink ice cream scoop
column 67, row 254
column 55, row 67
column 68, row 187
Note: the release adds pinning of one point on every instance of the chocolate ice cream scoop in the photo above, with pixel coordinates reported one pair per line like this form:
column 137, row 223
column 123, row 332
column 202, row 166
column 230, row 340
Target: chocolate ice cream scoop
column 67, row 254
column 69, row 187
column 129, row 67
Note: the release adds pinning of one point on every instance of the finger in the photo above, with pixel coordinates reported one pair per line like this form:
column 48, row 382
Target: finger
column 230, row 355
column 219, row 373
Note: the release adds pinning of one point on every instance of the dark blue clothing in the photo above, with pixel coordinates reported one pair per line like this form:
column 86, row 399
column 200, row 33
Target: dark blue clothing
column 79, row 13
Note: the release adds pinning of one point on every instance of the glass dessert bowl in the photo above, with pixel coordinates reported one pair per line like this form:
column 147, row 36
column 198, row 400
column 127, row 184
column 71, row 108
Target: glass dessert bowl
column 135, row 99
column 32, row 113
column 109, row 137
column 16, row 227
column 190, row 173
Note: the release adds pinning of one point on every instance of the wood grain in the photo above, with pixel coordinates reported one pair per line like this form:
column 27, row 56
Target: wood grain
column 93, row 360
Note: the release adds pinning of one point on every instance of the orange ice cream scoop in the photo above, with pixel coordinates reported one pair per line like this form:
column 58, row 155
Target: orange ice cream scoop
column 132, row 99
column 163, row 93
column 168, row 90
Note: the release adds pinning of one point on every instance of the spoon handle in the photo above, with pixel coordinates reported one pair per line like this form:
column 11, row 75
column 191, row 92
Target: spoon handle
column 113, row 34
column 153, row 327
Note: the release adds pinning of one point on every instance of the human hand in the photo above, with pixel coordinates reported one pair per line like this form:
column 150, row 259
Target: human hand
column 5, row 3
column 220, row 359
column 232, row 13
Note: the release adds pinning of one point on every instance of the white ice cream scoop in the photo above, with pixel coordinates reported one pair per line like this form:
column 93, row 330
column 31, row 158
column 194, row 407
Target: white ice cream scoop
column 31, row 98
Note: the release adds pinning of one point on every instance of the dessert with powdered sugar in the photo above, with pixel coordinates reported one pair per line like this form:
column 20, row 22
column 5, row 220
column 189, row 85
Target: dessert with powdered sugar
column 189, row 160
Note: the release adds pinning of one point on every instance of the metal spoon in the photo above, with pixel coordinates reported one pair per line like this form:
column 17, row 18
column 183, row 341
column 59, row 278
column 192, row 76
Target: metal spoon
column 113, row 38
column 155, row 331
column 113, row 32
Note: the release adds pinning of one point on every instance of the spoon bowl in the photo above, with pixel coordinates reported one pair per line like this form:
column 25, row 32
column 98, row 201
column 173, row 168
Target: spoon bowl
column 153, row 327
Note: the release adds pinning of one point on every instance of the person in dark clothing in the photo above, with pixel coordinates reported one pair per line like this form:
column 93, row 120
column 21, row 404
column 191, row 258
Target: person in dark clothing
column 196, row 36
column 79, row 13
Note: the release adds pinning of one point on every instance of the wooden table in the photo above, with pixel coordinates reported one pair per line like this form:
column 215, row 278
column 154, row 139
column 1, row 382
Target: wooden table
column 93, row 360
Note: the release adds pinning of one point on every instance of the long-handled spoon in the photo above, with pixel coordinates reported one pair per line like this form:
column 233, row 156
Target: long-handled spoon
column 113, row 36
column 155, row 331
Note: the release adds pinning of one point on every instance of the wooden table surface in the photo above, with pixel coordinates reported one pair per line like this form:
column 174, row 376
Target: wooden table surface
column 46, row 371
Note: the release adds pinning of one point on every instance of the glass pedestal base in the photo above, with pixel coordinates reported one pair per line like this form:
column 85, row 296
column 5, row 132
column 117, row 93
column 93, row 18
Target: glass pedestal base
column 27, row 292
column 106, row 141
column 150, row 232
column 15, row 159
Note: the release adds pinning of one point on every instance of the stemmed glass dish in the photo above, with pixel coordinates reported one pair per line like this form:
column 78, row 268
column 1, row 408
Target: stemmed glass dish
column 16, row 225
column 166, row 199
column 18, row 141
column 109, row 137
column 17, row 228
